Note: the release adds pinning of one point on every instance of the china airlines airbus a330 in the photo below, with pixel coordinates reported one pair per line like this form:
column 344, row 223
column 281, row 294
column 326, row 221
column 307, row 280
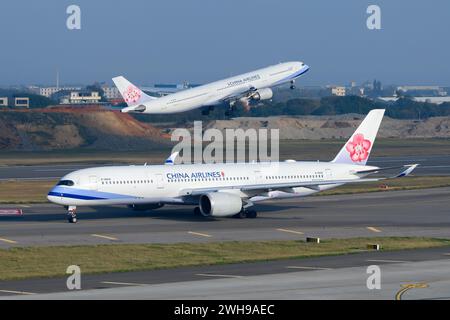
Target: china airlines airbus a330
column 221, row 190
column 245, row 89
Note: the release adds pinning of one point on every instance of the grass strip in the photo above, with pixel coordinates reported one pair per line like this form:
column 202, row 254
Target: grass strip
column 31, row 262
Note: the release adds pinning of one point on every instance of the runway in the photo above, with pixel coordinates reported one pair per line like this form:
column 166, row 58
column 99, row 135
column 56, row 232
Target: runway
column 430, row 165
column 332, row 277
column 394, row 213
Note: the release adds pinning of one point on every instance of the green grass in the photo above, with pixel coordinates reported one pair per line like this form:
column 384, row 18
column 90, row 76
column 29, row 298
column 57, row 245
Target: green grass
column 30, row 262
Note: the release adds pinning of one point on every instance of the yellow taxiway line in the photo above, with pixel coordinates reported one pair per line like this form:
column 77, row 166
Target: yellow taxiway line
column 200, row 234
column 8, row 241
column 289, row 231
column 104, row 237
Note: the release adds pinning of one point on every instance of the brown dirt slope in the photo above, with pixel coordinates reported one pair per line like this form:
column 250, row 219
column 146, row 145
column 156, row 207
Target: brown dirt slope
column 70, row 128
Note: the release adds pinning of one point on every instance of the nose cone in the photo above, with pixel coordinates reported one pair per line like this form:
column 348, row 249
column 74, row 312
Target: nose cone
column 53, row 196
column 305, row 67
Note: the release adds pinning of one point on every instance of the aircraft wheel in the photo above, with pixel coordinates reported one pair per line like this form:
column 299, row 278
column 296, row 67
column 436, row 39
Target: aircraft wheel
column 197, row 211
column 252, row 214
column 241, row 215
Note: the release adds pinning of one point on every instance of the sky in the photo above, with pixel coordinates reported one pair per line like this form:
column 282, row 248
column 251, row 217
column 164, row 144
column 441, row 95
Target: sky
column 170, row 41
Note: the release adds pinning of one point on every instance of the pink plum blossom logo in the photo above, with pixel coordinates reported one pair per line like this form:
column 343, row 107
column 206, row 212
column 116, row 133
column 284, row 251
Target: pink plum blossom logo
column 358, row 148
column 132, row 94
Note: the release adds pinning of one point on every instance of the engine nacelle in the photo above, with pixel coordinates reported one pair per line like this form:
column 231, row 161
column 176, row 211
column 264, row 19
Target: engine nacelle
column 220, row 204
column 144, row 207
column 262, row 94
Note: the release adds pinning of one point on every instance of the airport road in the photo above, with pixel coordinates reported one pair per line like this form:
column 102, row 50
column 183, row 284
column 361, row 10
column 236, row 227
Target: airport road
column 398, row 213
column 429, row 165
column 329, row 277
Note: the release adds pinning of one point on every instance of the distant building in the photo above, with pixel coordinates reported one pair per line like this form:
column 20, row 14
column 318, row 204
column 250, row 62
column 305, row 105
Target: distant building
column 337, row 91
column 3, row 101
column 23, row 102
column 111, row 93
column 423, row 90
column 81, row 97
column 435, row 100
column 49, row 91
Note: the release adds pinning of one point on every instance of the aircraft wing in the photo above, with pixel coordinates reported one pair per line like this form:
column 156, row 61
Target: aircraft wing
column 314, row 185
column 247, row 92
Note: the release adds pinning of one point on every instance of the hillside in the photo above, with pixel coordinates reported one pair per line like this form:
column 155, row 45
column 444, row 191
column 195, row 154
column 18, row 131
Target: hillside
column 58, row 129
column 339, row 127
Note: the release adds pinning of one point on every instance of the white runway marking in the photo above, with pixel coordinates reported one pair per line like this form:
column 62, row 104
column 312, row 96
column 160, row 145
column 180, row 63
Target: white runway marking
column 373, row 229
column 124, row 283
column 16, row 292
column 308, row 268
column 389, row 261
column 218, row 275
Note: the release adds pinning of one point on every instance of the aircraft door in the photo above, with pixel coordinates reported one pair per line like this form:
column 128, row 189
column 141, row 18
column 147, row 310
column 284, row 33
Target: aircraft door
column 159, row 181
column 328, row 174
column 93, row 182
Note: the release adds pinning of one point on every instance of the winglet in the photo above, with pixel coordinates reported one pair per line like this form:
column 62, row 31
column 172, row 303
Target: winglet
column 171, row 160
column 409, row 168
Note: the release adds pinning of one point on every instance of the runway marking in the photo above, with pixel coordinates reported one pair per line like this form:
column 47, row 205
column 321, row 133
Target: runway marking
column 8, row 241
column 373, row 229
column 388, row 261
column 218, row 275
column 124, row 283
column 406, row 287
column 17, row 292
column 200, row 234
column 24, row 206
column 104, row 237
column 446, row 254
column 308, row 268
column 289, row 231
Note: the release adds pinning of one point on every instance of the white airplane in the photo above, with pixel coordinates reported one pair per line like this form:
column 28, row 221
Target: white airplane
column 220, row 190
column 245, row 88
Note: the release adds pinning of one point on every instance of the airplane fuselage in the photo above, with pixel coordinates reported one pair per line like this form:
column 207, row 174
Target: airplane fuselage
column 170, row 184
column 218, row 92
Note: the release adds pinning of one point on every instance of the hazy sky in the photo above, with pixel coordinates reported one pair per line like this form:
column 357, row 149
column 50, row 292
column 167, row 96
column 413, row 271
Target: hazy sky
column 205, row 40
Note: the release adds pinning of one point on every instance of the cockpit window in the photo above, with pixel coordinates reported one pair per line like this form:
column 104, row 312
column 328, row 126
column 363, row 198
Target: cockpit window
column 65, row 183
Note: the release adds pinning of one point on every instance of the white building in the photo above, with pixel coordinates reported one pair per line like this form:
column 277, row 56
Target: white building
column 82, row 97
column 3, row 101
column 111, row 92
column 338, row 91
column 49, row 91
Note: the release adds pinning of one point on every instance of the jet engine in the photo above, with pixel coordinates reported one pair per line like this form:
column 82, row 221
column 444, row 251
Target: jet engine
column 262, row 94
column 220, row 204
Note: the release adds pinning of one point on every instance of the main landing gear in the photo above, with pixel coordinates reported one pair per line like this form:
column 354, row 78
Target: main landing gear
column 72, row 214
column 246, row 213
column 231, row 109
column 292, row 85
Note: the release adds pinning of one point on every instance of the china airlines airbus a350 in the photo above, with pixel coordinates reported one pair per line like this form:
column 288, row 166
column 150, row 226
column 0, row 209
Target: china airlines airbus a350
column 220, row 190
column 245, row 89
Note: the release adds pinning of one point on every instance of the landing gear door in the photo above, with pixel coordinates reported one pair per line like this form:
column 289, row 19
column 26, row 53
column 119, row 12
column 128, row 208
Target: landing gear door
column 159, row 181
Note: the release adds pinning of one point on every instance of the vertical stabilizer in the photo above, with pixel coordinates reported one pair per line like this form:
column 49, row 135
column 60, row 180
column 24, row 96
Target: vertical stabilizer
column 358, row 147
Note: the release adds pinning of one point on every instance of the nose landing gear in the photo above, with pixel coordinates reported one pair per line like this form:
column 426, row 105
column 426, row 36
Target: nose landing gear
column 72, row 214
